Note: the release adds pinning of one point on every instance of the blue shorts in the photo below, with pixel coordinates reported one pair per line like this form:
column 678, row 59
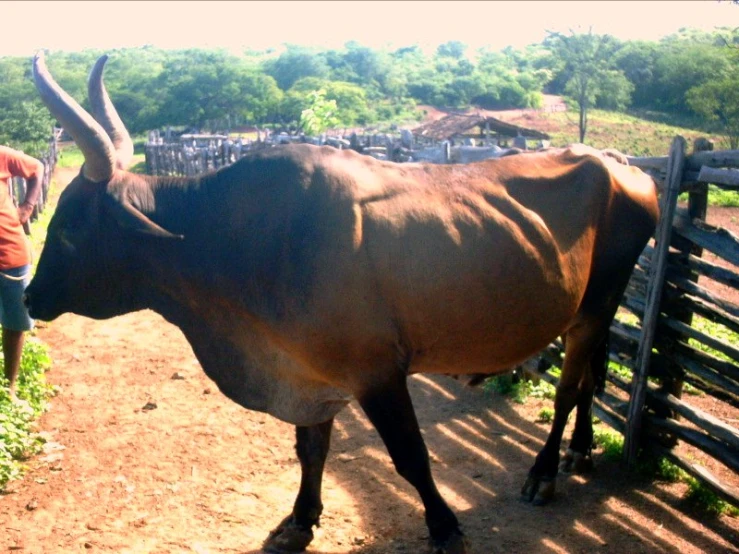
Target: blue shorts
column 13, row 314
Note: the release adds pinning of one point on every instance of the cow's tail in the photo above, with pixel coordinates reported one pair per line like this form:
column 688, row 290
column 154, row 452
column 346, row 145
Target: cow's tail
column 599, row 367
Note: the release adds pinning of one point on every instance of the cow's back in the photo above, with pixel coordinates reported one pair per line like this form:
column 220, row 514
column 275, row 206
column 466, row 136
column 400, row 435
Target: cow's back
column 472, row 267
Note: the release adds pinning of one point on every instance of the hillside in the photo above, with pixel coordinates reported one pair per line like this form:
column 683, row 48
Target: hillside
column 632, row 135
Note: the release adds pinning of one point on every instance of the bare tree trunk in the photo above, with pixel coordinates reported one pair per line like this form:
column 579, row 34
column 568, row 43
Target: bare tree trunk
column 583, row 121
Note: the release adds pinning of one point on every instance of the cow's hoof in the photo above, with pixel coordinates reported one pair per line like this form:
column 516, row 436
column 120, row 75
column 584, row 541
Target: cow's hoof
column 453, row 545
column 576, row 462
column 538, row 490
column 288, row 537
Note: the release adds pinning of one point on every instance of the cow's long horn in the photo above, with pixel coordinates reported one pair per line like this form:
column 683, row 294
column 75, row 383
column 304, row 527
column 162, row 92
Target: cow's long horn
column 91, row 138
column 105, row 114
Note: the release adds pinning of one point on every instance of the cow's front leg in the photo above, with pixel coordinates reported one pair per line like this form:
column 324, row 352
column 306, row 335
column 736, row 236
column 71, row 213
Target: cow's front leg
column 295, row 532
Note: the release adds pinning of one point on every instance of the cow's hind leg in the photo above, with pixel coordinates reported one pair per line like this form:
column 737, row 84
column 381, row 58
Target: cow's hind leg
column 575, row 388
column 295, row 532
column 578, row 457
column 390, row 410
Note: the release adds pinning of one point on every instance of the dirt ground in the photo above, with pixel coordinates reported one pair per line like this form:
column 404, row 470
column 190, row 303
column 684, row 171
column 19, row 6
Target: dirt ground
column 146, row 456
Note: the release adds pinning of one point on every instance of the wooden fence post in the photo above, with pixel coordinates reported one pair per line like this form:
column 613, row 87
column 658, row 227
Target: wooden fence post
column 675, row 170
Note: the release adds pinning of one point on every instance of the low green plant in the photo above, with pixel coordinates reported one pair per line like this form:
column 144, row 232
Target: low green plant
column 708, row 501
column 509, row 385
column 611, row 442
column 720, row 197
column 698, row 495
column 543, row 390
column 692, row 391
column 546, row 415
column 659, row 467
column 17, row 438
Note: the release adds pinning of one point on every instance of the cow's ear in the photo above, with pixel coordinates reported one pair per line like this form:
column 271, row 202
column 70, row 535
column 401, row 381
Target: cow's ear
column 133, row 220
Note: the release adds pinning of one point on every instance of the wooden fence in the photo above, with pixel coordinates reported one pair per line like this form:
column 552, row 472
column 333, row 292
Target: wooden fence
column 18, row 184
column 656, row 349
column 198, row 154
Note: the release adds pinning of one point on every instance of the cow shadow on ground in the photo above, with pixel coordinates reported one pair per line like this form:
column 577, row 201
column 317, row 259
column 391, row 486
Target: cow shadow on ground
column 481, row 449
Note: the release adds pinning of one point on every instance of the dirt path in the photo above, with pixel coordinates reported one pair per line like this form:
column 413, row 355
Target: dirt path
column 146, row 456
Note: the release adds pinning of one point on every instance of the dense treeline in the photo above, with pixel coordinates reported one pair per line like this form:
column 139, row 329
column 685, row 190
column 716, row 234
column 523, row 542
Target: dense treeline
column 689, row 73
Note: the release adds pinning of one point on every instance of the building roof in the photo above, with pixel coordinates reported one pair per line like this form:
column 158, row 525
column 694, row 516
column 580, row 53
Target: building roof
column 458, row 124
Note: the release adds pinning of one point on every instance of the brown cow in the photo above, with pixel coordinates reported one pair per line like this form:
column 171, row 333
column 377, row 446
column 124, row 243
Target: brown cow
column 304, row 276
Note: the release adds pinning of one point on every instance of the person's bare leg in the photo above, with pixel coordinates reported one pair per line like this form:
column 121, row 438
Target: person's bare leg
column 12, row 350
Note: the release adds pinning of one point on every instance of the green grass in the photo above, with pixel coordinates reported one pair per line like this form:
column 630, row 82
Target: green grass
column 720, row 197
column 715, row 331
column 70, row 156
column 630, row 134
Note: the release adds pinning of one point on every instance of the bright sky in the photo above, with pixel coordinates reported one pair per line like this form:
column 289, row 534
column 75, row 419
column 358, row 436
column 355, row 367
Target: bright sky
column 74, row 26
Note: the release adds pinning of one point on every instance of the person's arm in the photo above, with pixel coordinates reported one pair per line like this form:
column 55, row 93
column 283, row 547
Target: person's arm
column 32, row 170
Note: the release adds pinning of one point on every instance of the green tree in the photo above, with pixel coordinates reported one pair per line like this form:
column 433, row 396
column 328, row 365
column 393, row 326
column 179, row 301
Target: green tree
column 320, row 115
column 684, row 65
column 351, row 104
column 26, row 127
column 718, row 101
column 452, row 49
column 587, row 61
column 212, row 88
column 295, row 63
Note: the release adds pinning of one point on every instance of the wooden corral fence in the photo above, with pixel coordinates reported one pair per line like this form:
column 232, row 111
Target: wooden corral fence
column 195, row 154
column 662, row 343
column 18, row 185
column 666, row 345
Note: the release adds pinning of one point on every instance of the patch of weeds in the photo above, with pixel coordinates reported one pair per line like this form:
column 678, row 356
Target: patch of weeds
column 543, row 390
column 691, row 390
column 17, row 440
column 659, row 467
column 510, row 385
column 707, row 501
column 699, row 496
column 621, row 371
column 546, row 415
column 720, row 197
column 611, row 442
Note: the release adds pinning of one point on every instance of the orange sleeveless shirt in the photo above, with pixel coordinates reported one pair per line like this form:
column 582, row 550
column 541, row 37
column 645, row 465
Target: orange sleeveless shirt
column 15, row 250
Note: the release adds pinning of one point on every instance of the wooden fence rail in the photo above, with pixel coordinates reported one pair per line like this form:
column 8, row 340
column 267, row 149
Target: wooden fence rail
column 205, row 153
column 660, row 344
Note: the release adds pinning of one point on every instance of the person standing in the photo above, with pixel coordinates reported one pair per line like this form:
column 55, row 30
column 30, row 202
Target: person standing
column 15, row 254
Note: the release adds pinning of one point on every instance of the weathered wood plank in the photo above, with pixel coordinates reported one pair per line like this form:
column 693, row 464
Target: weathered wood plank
column 711, row 342
column 707, row 269
column 719, row 366
column 721, row 158
column 675, row 167
column 655, row 162
column 704, row 442
column 724, row 309
column 724, row 178
column 726, row 492
column 706, row 373
column 709, row 423
column 720, row 241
